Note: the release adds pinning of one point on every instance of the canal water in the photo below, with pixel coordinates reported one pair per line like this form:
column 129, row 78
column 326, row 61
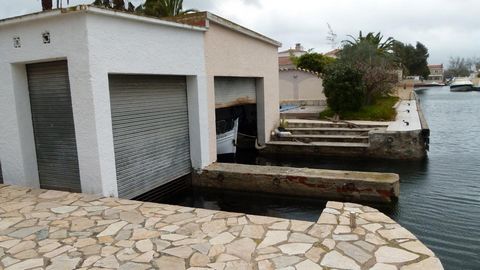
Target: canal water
column 439, row 197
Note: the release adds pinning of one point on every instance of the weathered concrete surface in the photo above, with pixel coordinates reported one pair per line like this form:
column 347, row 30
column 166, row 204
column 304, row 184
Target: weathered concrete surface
column 329, row 184
column 407, row 145
column 42, row 229
column 405, row 138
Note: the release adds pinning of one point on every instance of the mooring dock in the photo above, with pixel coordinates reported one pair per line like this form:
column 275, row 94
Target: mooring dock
column 45, row 229
column 405, row 138
column 328, row 184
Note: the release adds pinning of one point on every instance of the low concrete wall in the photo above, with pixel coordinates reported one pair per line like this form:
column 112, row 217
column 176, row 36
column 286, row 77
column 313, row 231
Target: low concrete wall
column 397, row 144
column 328, row 184
column 304, row 102
column 405, row 138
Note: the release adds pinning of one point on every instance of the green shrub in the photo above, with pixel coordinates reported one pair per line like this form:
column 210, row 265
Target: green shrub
column 343, row 87
column 381, row 110
column 314, row 62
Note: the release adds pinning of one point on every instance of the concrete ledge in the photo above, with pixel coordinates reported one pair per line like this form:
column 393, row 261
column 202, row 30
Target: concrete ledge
column 328, row 184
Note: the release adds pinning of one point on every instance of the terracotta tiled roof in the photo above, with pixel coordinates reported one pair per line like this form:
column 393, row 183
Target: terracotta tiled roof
column 301, row 69
column 284, row 61
column 436, row 66
column 292, row 51
column 332, row 52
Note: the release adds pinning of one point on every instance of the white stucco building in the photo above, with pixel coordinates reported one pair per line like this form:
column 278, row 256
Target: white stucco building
column 112, row 103
column 300, row 85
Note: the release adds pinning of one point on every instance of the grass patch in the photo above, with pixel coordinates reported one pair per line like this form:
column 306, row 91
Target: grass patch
column 381, row 110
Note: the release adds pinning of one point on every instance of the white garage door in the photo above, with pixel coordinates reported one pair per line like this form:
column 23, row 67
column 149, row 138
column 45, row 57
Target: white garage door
column 150, row 130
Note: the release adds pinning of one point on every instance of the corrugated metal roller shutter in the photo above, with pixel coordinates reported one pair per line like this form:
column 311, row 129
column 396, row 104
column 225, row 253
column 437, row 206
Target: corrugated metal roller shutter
column 150, row 130
column 233, row 91
column 53, row 126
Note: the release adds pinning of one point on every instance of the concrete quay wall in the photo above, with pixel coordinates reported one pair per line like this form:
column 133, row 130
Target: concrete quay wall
column 405, row 138
column 305, row 182
column 409, row 145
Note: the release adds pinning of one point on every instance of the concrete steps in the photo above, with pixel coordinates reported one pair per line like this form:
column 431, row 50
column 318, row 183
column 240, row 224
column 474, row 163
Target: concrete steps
column 347, row 149
column 329, row 131
column 295, row 123
column 324, row 138
column 307, row 138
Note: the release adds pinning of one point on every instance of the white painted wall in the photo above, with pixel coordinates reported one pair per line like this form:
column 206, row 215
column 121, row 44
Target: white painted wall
column 120, row 45
column 230, row 53
column 300, row 85
column 95, row 43
column 17, row 147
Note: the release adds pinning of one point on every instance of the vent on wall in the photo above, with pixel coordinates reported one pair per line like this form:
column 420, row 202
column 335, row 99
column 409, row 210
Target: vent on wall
column 16, row 42
column 46, row 37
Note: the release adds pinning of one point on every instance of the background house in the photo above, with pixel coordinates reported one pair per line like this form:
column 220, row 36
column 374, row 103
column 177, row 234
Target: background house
column 297, row 85
column 300, row 85
column 436, row 72
column 333, row 53
column 284, row 57
column 112, row 103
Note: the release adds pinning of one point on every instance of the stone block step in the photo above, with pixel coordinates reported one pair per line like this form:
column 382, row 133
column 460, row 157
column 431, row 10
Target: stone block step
column 296, row 123
column 347, row 149
column 307, row 138
column 329, row 131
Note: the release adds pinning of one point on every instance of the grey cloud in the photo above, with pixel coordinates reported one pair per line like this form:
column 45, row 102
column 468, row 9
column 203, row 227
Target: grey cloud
column 446, row 27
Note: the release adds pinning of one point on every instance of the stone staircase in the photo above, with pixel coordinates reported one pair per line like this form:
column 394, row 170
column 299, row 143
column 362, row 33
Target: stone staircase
column 325, row 138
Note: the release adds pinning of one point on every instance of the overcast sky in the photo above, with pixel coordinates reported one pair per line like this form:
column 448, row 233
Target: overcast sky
column 446, row 27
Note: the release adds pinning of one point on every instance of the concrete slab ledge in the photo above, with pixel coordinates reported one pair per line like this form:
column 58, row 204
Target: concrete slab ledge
column 305, row 182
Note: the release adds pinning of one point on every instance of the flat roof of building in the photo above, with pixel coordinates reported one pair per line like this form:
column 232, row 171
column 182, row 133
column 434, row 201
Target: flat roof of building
column 204, row 18
column 95, row 10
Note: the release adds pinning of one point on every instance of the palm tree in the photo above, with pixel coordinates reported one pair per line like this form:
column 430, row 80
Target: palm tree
column 164, row 8
column 373, row 39
column 47, row 4
column 60, row 3
column 114, row 4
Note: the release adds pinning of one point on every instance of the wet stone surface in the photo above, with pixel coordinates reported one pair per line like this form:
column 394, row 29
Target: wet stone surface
column 42, row 229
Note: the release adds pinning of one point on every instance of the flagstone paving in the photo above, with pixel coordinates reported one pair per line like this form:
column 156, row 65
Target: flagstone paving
column 45, row 229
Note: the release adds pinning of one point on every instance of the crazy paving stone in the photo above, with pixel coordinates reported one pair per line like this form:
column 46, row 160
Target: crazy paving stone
column 387, row 254
column 334, row 259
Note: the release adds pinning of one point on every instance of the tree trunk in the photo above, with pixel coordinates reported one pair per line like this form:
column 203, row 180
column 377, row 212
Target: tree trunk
column 47, row 4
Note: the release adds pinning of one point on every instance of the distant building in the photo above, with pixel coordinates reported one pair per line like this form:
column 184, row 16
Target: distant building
column 284, row 60
column 333, row 53
column 436, row 72
column 300, row 85
column 297, row 84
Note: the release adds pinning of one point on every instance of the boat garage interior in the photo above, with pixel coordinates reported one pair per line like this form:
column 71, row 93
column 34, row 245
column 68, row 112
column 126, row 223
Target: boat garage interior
column 235, row 100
